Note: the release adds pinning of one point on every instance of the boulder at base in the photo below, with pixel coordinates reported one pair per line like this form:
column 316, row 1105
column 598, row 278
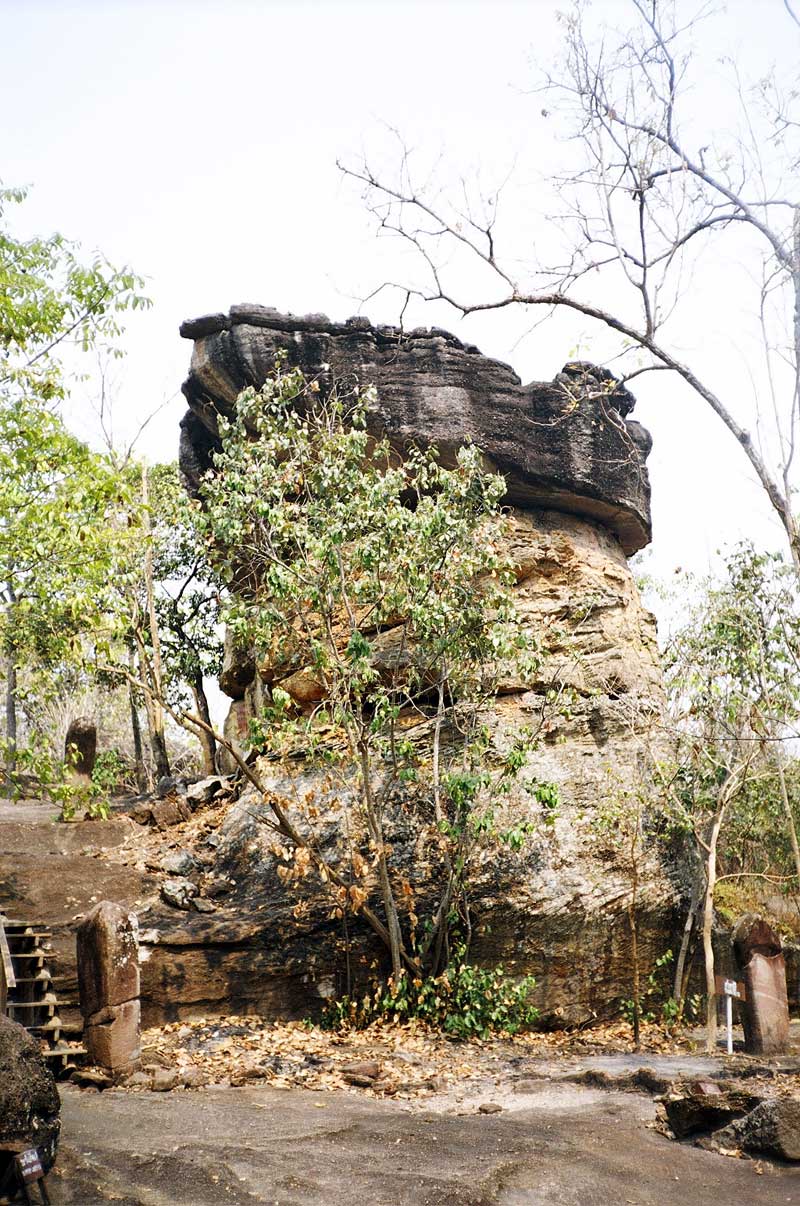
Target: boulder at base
column 29, row 1102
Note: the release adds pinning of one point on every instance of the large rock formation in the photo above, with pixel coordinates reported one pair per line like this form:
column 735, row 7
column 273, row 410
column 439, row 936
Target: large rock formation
column 578, row 496
column 566, row 445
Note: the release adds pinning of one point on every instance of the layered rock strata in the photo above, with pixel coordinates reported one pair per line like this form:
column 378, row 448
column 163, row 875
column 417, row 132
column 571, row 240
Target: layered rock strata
column 567, row 445
column 578, row 498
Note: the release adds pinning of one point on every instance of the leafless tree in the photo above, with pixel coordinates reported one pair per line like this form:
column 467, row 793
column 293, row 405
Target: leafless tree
column 652, row 196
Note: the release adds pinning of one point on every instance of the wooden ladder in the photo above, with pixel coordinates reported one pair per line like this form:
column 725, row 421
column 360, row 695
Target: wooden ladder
column 27, row 993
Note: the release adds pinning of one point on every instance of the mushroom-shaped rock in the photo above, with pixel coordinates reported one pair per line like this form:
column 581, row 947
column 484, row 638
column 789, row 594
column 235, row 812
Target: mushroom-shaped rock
column 566, row 443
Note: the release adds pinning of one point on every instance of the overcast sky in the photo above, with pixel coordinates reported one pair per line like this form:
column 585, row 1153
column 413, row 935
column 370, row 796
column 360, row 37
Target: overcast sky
column 197, row 142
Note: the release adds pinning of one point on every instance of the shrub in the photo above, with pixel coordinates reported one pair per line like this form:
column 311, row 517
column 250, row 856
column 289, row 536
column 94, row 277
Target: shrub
column 465, row 1001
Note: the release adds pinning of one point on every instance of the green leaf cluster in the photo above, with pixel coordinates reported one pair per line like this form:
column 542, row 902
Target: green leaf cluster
column 465, row 1002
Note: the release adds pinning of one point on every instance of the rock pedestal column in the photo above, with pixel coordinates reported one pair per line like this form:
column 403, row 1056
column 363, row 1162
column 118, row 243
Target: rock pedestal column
column 80, row 747
column 108, row 981
column 765, row 1016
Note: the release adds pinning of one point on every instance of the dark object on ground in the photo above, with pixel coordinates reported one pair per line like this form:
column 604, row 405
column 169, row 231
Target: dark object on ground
column 29, row 1102
column 80, row 745
column 203, row 791
column 771, row 1129
column 168, row 784
column 705, row 1106
column 729, row 1116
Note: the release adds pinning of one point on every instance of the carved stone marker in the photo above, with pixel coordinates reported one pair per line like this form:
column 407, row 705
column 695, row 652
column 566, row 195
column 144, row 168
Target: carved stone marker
column 765, row 1016
column 108, row 982
column 80, row 745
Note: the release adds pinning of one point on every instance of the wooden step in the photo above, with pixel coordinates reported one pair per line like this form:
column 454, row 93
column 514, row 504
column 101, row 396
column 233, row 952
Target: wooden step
column 63, row 1049
column 63, row 1059
column 52, row 1025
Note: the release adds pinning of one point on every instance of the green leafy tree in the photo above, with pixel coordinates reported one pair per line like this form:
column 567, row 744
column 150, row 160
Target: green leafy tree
column 175, row 602
column 732, row 671
column 50, row 299
column 376, row 595
column 55, row 496
column 57, row 546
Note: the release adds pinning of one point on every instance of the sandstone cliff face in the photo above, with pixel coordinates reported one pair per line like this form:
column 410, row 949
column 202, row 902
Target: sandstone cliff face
column 579, row 502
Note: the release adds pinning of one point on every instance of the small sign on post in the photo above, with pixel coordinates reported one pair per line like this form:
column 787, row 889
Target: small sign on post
column 729, row 989
column 29, row 1172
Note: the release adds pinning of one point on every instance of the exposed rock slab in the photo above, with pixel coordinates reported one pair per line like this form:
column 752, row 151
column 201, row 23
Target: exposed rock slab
column 771, row 1129
column 566, row 444
column 574, row 1150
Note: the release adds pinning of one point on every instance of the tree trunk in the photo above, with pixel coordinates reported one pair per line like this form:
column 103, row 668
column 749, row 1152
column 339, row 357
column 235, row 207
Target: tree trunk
column 208, row 745
column 376, row 827
column 678, row 983
column 11, row 683
column 637, row 990
column 157, row 747
column 790, row 825
column 136, row 730
column 158, row 739
column 160, row 757
column 708, row 921
column 11, row 712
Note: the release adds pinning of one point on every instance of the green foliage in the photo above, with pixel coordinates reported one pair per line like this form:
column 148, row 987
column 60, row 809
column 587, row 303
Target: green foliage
column 188, row 598
column 465, row 1002
column 734, row 686
column 50, row 299
column 187, row 595
column 385, row 589
column 56, row 780
column 59, row 502
column 651, row 992
column 111, row 771
column 59, row 533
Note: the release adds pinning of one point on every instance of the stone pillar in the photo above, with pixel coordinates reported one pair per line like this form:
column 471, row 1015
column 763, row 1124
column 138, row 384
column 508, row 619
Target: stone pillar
column 108, row 982
column 80, row 744
column 765, row 1015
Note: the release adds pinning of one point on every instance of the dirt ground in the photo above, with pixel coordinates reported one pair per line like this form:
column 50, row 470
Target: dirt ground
column 557, row 1144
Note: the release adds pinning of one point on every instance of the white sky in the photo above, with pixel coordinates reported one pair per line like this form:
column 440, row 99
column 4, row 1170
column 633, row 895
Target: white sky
column 197, row 143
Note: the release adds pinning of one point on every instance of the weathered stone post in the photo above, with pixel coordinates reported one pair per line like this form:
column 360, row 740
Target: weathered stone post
column 108, row 982
column 765, row 1016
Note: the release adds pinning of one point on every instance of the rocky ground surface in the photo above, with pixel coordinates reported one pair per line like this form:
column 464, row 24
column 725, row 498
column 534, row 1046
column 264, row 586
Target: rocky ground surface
column 232, row 1110
column 546, row 1141
column 236, row 1109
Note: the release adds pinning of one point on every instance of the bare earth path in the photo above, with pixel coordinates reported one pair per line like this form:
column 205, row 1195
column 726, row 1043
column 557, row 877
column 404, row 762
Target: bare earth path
column 565, row 1146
